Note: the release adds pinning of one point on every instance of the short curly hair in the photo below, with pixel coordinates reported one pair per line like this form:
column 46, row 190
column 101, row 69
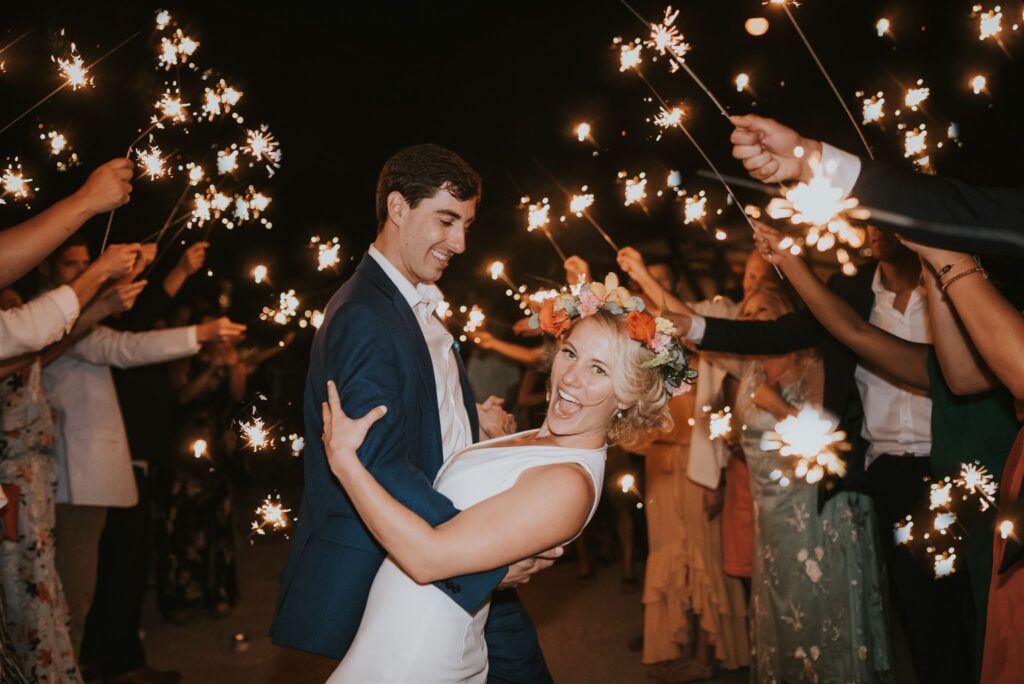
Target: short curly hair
column 641, row 389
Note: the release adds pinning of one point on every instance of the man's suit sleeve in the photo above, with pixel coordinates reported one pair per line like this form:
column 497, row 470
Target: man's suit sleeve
column 359, row 362
column 946, row 201
column 788, row 333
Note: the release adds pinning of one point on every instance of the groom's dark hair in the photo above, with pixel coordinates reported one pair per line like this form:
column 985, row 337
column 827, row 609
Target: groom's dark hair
column 419, row 171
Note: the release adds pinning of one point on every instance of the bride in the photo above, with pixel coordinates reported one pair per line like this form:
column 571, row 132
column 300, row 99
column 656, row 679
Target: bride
column 519, row 495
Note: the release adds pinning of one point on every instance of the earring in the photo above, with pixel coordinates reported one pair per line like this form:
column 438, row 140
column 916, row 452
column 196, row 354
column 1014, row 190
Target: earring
column 618, row 414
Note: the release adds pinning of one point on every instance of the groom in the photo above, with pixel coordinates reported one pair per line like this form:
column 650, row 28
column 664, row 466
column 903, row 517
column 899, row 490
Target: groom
column 381, row 343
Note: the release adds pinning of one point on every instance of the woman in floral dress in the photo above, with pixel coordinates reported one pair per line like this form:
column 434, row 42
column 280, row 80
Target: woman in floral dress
column 37, row 615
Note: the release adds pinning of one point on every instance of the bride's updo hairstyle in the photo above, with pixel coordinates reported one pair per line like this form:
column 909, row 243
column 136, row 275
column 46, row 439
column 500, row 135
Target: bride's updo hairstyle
column 649, row 365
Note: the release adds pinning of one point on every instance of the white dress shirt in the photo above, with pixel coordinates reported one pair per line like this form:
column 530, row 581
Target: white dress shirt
column 423, row 299
column 40, row 322
column 95, row 464
column 897, row 418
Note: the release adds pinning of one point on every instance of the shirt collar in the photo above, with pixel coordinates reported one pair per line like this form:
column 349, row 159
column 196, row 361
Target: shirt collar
column 430, row 295
column 881, row 291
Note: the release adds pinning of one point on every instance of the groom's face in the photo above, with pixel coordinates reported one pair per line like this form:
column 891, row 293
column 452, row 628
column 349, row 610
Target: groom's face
column 432, row 233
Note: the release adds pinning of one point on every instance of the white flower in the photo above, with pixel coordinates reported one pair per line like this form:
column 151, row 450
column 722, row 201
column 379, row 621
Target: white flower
column 802, row 555
column 664, row 326
column 813, row 571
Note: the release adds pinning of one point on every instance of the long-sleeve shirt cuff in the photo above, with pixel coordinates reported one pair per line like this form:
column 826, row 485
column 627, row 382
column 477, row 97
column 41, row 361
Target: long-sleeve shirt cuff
column 67, row 301
column 842, row 167
column 698, row 324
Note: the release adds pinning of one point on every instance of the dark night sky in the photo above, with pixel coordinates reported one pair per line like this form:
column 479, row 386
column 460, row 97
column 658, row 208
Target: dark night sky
column 344, row 85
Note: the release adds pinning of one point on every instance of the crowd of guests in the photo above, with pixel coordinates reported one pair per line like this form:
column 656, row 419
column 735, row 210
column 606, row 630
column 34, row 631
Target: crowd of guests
column 107, row 383
column 916, row 357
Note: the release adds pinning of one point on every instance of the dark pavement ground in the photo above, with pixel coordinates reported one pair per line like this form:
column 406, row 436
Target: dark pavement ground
column 583, row 631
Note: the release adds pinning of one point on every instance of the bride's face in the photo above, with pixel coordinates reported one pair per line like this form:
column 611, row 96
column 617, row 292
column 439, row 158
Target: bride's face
column 582, row 398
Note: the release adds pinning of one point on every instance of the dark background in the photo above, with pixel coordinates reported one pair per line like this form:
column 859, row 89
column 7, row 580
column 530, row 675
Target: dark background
column 344, row 85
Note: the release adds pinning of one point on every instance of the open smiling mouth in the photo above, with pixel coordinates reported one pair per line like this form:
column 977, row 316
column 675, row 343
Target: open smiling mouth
column 566, row 405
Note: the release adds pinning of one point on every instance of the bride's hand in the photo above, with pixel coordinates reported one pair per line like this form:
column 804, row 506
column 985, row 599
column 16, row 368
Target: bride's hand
column 343, row 435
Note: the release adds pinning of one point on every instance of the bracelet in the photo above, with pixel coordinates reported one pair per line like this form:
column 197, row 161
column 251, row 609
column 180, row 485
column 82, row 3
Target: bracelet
column 978, row 269
column 949, row 267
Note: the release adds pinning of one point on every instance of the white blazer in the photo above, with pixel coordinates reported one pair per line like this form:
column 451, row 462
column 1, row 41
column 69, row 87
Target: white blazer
column 95, row 464
column 708, row 458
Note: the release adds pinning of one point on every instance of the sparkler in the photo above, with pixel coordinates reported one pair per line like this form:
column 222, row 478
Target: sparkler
column 227, row 161
column 73, row 70
column 1006, row 529
column 262, row 146
column 979, row 84
column 582, row 131
column 945, row 563
column 196, row 173
column 259, row 274
column 153, row 163
column 497, row 270
column 719, row 423
column 904, row 534
column 178, row 47
column 636, row 190
column 915, row 96
column 943, row 521
column 475, row 320
column 298, row 444
column 883, row 27
column 272, row 515
column 695, row 208
column 940, row 495
column 327, row 253
column 627, row 483
column 163, row 19
column 317, row 319
column 742, row 82
column 14, row 183
column 199, row 448
column 976, row 479
column 812, row 440
column 874, row 108
column 990, row 23
column 538, row 218
column 586, row 210
column 580, row 203
column 220, row 99
column 821, row 67
column 915, row 141
column 255, row 433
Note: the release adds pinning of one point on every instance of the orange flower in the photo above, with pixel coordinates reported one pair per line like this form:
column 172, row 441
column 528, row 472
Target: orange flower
column 551, row 321
column 641, row 327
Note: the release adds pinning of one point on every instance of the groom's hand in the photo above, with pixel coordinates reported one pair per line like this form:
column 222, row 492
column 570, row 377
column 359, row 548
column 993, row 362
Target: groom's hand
column 495, row 421
column 521, row 572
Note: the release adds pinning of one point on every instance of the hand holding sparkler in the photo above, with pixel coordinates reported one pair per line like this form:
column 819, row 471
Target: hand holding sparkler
column 107, row 188
column 632, row 263
column 577, row 270
column 770, row 151
column 222, row 328
column 120, row 298
column 193, row 258
column 118, row 261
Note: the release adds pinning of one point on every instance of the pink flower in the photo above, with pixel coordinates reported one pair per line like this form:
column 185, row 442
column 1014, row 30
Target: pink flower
column 589, row 303
column 682, row 389
column 660, row 342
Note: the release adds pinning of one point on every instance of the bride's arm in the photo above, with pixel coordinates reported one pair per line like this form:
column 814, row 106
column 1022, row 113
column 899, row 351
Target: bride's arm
column 547, row 506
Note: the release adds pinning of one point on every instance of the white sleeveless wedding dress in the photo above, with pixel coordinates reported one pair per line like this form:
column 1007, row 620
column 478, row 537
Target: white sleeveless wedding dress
column 415, row 633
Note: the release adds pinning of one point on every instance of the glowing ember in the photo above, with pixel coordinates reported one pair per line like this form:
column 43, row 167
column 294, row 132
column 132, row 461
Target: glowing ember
column 874, row 108
column 153, row 163
column 695, row 208
column 73, row 70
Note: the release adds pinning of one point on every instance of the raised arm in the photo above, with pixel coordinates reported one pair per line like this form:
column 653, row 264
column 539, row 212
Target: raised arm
column 546, row 507
column 632, row 262
column 903, row 360
column 528, row 356
column 995, row 327
column 26, row 244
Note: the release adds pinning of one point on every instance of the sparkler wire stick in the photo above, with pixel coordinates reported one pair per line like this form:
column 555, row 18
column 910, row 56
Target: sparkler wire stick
column 821, row 67
column 682, row 63
column 13, row 42
column 64, row 85
column 586, row 213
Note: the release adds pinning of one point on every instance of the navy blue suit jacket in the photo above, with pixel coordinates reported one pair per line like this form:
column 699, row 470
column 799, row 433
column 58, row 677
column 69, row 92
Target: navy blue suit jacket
column 372, row 346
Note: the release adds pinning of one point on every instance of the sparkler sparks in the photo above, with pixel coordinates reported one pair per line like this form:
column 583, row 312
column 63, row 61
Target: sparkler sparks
column 178, row 47
column 812, row 440
column 976, row 479
column 695, row 208
column 298, row 444
column 496, row 269
column 668, row 118
column 259, row 274
column 904, row 534
column 636, row 189
column 163, row 19
column 990, row 23
column 475, row 320
column 979, row 84
column 945, row 563
column 153, row 163
column 874, row 108
column 537, row 214
column 630, row 55
column 665, row 38
column 199, row 448
column 272, row 515
column 171, row 109
column 262, row 146
column 196, row 174
column 915, row 141
column 943, row 521
column 328, row 253
column 627, row 483
column 227, row 161
column 255, row 433
column 1006, row 529
column 580, row 203
column 582, row 131
column 317, row 319
column 915, row 96
column 742, row 82
column 940, row 496
column 220, row 99
column 73, row 70
column 719, row 423
column 882, row 27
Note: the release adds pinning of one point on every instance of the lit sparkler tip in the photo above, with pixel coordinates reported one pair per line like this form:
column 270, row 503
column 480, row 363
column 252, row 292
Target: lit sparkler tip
column 627, row 482
column 636, row 189
column 259, row 274
column 979, row 84
column 1006, row 529
column 538, row 214
column 882, row 26
column 163, row 19
column 940, row 495
column 742, row 82
column 497, row 269
column 582, row 131
column 580, row 203
column 668, row 118
column 720, row 423
column 227, row 161
column 904, row 533
column 915, row 96
column 153, row 163
column 199, row 448
column 73, row 70
column 262, row 146
column 271, row 514
column 630, row 55
column 874, row 108
column 990, row 23
column 945, row 564
column 695, row 208
column 255, row 433
column 328, row 254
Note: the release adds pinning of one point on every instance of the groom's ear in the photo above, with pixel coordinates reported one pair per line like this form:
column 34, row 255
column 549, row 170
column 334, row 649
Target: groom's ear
column 398, row 208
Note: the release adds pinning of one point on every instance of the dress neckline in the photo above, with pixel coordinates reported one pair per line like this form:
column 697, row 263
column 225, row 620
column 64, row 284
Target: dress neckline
column 495, row 441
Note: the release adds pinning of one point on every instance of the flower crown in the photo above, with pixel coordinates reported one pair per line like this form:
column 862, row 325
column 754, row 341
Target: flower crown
column 655, row 333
